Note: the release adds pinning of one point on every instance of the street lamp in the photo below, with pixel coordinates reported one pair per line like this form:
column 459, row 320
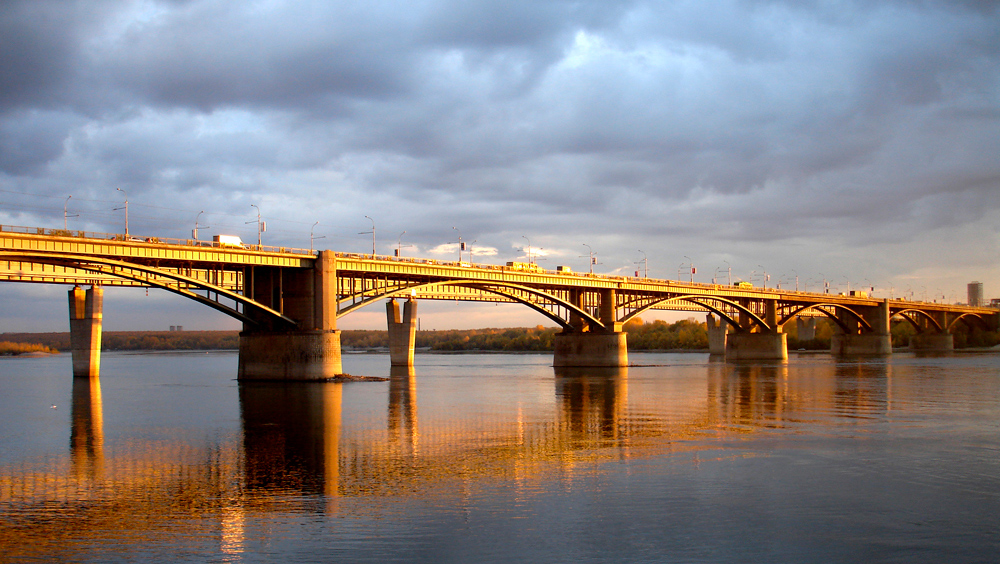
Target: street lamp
column 796, row 280
column 399, row 244
column 373, row 235
column 593, row 261
column 645, row 265
column 311, row 236
column 126, row 210
column 65, row 208
column 461, row 245
column 729, row 270
column 766, row 277
column 690, row 268
column 260, row 225
column 525, row 237
column 194, row 234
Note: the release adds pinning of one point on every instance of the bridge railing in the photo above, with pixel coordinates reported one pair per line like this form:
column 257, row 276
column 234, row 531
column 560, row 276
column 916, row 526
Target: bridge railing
column 150, row 240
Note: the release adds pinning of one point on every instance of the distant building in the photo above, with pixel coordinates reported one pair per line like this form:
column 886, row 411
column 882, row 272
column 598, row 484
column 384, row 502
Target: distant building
column 976, row 294
column 176, row 327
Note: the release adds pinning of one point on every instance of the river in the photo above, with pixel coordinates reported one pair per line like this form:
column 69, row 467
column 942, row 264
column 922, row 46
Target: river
column 490, row 458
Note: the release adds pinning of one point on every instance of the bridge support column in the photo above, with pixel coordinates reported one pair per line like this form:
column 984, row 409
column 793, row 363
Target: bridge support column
column 757, row 346
column 805, row 328
column 309, row 352
column 932, row 342
column 876, row 343
column 86, row 313
column 865, row 344
column 402, row 332
column 717, row 332
column 590, row 349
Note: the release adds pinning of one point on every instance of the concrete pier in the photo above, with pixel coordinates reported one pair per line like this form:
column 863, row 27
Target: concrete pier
column 865, row 344
column 757, row 346
column 805, row 328
column 86, row 309
column 402, row 332
column 717, row 331
column 310, row 351
column 305, row 355
column 590, row 349
column 876, row 342
column 932, row 342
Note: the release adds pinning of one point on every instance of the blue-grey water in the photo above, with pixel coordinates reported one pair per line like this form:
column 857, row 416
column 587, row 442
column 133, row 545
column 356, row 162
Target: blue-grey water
column 489, row 458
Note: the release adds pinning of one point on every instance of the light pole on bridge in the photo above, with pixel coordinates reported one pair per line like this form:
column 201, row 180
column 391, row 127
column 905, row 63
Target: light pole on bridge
column 690, row 268
column 260, row 225
column 766, row 277
column 126, row 210
column 373, row 234
column 730, row 272
column 194, row 234
column 461, row 245
column 311, row 236
column 66, row 214
column 525, row 237
column 645, row 265
column 593, row 260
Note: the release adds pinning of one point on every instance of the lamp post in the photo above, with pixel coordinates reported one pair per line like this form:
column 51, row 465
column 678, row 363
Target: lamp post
column 65, row 216
column 766, row 277
column 399, row 244
column 259, row 225
column 645, row 265
column 461, row 245
column 591, row 257
column 126, row 210
column 311, row 236
column 525, row 237
column 373, row 234
column 729, row 272
column 194, row 234
column 796, row 280
column 690, row 268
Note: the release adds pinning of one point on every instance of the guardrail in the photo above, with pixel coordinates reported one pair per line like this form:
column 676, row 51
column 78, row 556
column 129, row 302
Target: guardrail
column 361, row 256
column 149, row 240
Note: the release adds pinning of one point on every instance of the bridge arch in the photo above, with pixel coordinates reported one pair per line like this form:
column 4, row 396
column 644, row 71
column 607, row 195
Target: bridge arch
column 694, row 298
column 819, row 307
column 916, row 313
column 515, row 292
column 968, row 319
column 153, row 277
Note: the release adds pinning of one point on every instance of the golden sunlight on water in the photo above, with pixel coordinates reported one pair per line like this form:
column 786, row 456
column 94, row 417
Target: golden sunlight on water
column 322, row 448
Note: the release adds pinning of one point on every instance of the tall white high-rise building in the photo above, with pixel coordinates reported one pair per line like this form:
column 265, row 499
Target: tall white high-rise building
column 976, row 293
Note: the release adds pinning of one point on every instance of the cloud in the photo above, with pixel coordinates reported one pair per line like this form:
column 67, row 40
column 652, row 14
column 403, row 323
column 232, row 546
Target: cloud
column 797, row 134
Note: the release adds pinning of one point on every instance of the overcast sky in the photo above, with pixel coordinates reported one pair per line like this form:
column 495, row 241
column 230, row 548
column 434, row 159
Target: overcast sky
column 856, row 142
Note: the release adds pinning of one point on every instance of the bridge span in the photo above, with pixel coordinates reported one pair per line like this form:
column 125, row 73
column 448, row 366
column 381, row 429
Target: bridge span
column 289, row 301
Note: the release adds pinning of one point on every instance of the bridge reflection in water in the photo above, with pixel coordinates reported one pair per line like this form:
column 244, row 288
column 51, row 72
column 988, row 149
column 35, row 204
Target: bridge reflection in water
column 296, row 451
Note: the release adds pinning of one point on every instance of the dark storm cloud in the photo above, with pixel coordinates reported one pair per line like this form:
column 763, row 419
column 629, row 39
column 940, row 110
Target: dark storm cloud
column 790, row 132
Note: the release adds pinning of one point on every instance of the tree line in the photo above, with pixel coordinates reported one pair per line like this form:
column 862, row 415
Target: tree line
column 686, row 334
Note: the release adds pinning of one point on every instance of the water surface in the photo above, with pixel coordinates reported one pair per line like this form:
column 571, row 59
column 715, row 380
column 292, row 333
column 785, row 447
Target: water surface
column 501, row 457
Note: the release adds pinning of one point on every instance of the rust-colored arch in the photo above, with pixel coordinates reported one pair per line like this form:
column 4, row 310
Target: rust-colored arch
column 493, row 288
column 929, row 317
column 818, row 307
column 693, row 298
column 118, row 269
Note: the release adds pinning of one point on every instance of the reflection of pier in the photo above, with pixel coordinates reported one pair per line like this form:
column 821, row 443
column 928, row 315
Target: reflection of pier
column 303, row 442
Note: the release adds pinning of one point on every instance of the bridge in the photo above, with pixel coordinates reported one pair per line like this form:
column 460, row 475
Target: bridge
column 289, row 301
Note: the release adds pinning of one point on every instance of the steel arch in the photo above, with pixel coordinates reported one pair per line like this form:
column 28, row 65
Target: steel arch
column 116, row 268
column 497, row 288
column 819, row 307
column 693, row 298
